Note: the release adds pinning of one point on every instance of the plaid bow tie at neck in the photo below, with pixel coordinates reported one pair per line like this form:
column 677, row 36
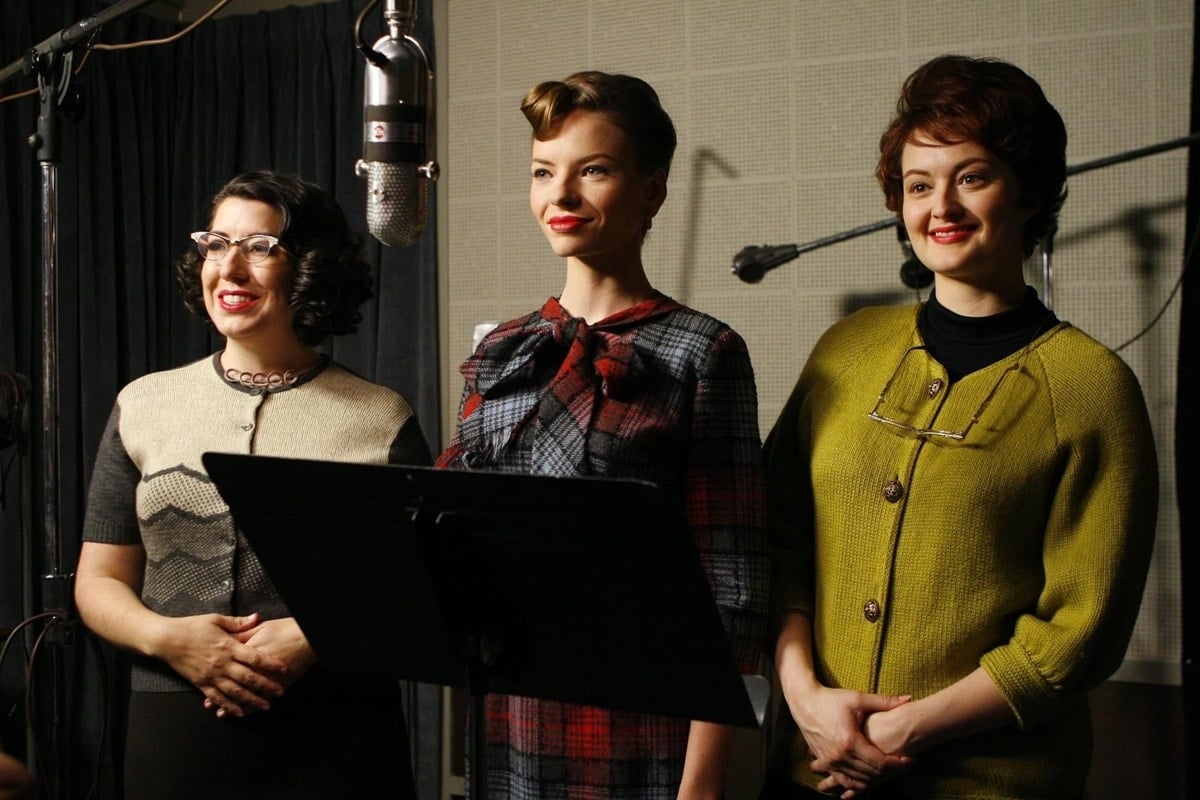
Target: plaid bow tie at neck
column 593, row 356
column 598, row 363
column 549, row 380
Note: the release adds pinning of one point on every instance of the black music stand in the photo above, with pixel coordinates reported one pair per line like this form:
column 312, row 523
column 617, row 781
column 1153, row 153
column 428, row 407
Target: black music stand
column 580, row 590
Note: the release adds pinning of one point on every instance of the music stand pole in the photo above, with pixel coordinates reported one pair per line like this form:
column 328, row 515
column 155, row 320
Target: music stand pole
column 477, row 690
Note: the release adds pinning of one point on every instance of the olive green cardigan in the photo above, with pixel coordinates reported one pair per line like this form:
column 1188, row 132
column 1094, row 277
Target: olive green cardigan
column 1023, row 548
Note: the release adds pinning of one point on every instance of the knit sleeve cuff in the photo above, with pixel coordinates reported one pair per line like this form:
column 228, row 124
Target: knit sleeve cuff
column 1031, row 697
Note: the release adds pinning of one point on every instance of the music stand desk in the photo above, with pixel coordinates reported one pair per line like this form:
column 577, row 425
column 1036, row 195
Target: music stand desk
column 578, row 590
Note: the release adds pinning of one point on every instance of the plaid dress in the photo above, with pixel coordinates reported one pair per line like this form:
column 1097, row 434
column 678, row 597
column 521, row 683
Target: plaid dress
column 657, row 392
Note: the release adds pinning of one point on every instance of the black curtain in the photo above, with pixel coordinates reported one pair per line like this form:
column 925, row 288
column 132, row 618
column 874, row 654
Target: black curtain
column 161, row 129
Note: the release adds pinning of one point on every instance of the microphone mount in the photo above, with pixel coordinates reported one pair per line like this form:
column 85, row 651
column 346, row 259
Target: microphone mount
column 751, row 263
column 67, row 39
column 400, row 19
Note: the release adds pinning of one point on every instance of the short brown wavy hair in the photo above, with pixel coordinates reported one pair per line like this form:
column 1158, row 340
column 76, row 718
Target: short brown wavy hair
column 957, row 98
column 329, row 279
column 628, row 102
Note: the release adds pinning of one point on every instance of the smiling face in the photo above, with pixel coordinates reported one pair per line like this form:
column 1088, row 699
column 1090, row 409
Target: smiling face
column 248, row 303
column 960, row 208
column 592, row 201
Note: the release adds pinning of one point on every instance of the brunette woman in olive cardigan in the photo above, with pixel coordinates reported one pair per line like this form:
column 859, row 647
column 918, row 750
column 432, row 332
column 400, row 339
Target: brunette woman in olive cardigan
column 962, row 494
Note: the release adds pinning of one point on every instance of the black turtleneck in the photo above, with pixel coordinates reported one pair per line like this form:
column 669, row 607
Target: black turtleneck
column 965, row 344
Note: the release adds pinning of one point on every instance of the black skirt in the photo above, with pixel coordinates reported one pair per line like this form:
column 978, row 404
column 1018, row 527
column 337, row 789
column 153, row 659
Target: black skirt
column 329, row 737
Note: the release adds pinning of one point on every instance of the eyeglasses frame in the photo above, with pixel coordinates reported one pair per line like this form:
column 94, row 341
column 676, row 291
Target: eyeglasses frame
column 925, row 433
column 231, row 243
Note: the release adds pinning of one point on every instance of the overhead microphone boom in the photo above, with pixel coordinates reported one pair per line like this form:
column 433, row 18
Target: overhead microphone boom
column 751, row 263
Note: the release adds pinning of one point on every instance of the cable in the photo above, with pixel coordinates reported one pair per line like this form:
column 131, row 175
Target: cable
column 49, row 617
column 213, row 9
column 46, row 745
column 1187, row 260
column 55, row 618
column 373, row 55
column 216, row 7
column 22, row 624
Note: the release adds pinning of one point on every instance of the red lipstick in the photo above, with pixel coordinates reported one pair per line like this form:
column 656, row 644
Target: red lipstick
column 566, row 223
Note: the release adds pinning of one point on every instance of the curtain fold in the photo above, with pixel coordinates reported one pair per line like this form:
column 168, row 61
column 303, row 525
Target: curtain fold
column 163, row 127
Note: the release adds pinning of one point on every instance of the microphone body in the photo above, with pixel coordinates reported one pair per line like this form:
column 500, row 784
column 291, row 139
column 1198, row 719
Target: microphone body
column 751, row 263
column 397, row 135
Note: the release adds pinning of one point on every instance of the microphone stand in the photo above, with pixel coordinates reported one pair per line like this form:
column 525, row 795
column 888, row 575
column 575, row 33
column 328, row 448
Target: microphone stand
column 51, row 61
column 751, row 262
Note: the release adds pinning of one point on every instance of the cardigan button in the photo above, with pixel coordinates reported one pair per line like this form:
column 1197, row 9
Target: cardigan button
column 871, row 610
column 934, row 387
column 893, row 490
column 247, row 426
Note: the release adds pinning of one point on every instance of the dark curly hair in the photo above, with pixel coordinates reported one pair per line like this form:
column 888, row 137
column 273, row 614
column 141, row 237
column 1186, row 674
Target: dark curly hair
column 328, row 280
column 955, row 99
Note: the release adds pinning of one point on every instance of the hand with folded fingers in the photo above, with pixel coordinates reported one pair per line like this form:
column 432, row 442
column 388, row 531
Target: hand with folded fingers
column 236, row 678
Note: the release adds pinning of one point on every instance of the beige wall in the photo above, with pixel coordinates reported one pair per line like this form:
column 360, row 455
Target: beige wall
column 779, row 105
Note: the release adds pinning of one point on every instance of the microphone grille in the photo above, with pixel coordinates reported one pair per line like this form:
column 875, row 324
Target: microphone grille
column 396, row 197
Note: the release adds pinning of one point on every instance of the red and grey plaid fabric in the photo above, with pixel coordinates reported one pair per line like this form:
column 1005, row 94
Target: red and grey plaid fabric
column 657, row 392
